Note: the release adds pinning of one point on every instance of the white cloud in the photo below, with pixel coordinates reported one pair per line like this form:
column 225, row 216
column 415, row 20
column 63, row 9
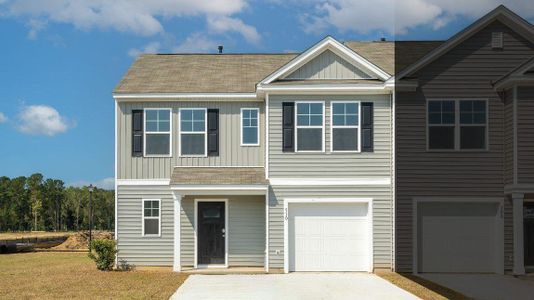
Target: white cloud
column 140, row 17
column 41, row 120
column 196, row 42
column 395, row 17
column 152, row 47
column 107, row 183
column 3, row 118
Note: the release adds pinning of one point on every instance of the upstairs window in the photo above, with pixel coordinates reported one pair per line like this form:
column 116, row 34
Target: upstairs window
column 193, row 132
column 310, row 126
column 151, row 217
column 457, row 124
column 158, row 132
column 250, row 129
column 345, row 126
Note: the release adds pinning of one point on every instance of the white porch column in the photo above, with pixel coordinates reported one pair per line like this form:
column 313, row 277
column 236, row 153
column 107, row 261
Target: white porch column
column 176, row 266
column 519, row 262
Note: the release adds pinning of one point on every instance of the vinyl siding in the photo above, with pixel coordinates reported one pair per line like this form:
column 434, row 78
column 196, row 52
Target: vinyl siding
column 508, row 137
column 132, row 245
column 382, row 217
column 375, row 164
column 464, row 72
column 525, row 135
column 246, row 232
column 231, row 153
column 328, row 66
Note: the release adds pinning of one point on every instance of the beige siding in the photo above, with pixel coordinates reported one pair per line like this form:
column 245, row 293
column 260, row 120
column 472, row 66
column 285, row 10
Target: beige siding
column 328, row 66
column 133, row 246
column 382, row 217
column 464, row 72
column 328, row 164
column 246, row 230
column 231, row 153
column 525, row 135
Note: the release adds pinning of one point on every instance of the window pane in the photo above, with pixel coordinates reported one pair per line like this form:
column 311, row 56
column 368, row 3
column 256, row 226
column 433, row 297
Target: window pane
column 434, row 118
column 164, row 125
column 164, row 115
column 447, row 106
column 351, row 120
column 151, row 115
column 151, row 126
column 186, row 126
column 303, row 108
column 447, row 118
column 479, row 118
column 254, row 122
column 198, row 115
column 186, row 115
column 479, row 106
column 250, row 135
column 472, row 137
column 147, row 212
column 316, row 120
column 345, row 139
column 198, row 126
column 441, row 137
column 152, row 226
column 157, row 144
column 338, row 108
column 310, row 139
column 246, row 113
column 434, row 106
column 192, row 144
column 254, row 114
column 466, row 106
column 351, row 108
column 155, row 204
column 303, row 120
column 466, row 118
column 316, row 108
column 339, row 120
column 246, row 122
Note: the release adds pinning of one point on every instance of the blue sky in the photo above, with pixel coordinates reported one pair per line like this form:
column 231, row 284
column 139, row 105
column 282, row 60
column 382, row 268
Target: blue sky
column 60, row 59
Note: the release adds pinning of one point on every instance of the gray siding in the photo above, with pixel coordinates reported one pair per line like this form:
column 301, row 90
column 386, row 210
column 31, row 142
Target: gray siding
column 231, row 153
column 464, row 72
column 365, row 164
column 133, row 246
column 382, row 217
column 508, row 137
column 525, row 135
column 246, row 230
column 328, row 66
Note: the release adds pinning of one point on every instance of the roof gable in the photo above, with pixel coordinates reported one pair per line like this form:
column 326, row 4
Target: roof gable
column 340, row 50
column 328, row 65
column 501, row 14
column 524, row 73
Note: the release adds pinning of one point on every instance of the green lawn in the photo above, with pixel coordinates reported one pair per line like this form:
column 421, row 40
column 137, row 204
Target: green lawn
column 74, row 275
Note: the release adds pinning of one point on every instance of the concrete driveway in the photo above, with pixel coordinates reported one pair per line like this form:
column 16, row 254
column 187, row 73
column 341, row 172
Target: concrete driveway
column 290, row 286
column 486, row 286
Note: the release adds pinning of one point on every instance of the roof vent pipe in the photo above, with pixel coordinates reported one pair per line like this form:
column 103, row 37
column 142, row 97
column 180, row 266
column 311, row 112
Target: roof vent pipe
column 220, row 49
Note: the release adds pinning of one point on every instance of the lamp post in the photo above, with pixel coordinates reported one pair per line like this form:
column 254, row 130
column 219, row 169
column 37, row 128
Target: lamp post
column 91, row 188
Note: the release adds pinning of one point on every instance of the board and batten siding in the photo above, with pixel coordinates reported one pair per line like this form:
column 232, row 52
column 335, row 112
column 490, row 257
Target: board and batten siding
column 525, row 135
column 328, row 65
column 464, row 72
column 134, row 248
column 231, row 153
column 376, row 164
column 382, row 217
column 246, row 230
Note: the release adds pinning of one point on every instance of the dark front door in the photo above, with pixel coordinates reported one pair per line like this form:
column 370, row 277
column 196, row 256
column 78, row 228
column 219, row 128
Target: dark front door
column 528, row 231
column 211, row 233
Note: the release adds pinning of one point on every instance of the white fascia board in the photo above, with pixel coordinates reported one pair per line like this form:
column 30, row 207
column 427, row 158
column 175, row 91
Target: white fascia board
column 184, row 96
column 333, row 45
column 219, row 187
column 514, row 80
column 461, row 36
column 302, row 89
column 329, row 181
column 143, row 181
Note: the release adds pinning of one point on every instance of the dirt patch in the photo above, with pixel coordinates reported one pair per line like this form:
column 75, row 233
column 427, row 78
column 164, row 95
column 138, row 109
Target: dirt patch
column 420, row 287
column 80, row 240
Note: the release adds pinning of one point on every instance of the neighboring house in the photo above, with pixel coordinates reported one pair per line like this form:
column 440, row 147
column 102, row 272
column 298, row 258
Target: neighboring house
column 280, row 161
column 464, row 151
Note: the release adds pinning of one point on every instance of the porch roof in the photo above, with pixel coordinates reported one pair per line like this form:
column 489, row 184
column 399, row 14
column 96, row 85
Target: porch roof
column 219, row 176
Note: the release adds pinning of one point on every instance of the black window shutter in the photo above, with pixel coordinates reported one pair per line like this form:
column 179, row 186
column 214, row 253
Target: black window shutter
column 288, row 126
column 137, row 132
column 367, row 127
column 213, row 132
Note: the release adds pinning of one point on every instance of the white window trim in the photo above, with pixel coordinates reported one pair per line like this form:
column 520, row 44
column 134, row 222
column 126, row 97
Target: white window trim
column 297, row 127
column 143, row 218
column 226, row 234
column 241, row 127
column 457, row 125
column 158, row 132
column 205, row 132
column 332, row 126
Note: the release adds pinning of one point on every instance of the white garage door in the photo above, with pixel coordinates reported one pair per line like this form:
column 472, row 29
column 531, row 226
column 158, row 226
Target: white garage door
column 328, row 237
column 458, row 237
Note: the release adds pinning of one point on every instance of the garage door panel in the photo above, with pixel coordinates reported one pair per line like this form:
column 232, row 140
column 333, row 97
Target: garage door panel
column 328, row 237
column 460, row 238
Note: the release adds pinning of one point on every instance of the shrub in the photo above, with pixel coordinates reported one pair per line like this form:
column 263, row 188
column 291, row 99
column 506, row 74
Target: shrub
column 103, row 252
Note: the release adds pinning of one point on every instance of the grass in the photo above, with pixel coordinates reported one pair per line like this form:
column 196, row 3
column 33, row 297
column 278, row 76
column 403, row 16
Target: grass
column 74, row 275
column 33, row 234
column 420, row 287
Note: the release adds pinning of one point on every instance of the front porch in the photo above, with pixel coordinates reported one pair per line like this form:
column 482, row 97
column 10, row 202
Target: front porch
column 220, row 220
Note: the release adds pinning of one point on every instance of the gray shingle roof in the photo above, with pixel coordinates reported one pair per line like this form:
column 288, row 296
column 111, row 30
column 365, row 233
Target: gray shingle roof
column 218, row 176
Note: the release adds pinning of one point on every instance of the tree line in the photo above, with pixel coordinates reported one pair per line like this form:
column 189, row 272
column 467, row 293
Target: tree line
column 36, row 203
